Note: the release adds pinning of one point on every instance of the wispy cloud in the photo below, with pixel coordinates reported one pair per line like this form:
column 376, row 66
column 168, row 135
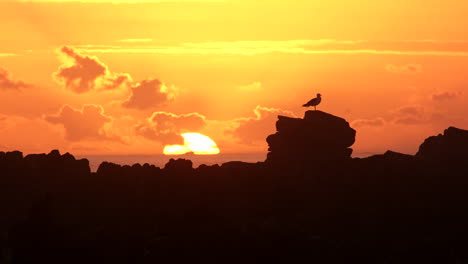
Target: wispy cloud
column 149, row 94
column 85, row 123
column 252, row 87
column 135, row 40
column 7, row 83
column 324, row 46
column 166, row 127
column 376, row 122
column 252, row 130
column 7, row 54
column 404, row 69
column 446, row 95
column 116, row 1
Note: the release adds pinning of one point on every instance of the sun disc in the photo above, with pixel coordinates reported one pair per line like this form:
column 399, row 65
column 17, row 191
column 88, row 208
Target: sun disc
column 193, row 142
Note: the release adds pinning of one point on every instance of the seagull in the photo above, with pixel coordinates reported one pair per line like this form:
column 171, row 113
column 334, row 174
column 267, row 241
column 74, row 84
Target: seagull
column 314, row 102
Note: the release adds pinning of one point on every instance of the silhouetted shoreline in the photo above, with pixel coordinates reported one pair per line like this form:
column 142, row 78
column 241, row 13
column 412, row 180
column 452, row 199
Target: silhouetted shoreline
column 161, row 159
column 310, row 201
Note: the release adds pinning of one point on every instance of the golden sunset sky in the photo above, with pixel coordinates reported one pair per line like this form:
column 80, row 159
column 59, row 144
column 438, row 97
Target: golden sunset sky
column 129, row 77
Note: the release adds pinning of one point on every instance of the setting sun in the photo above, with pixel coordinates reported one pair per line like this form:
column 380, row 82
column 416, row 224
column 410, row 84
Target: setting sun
column 194, row 142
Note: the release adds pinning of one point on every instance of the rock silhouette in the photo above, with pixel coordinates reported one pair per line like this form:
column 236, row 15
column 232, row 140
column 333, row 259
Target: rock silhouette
column 451, row 146
column 181, row 165
column 318, row 137
column 309, row 202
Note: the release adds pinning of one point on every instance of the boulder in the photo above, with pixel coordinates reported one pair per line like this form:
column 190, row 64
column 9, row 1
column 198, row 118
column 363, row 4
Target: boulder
column 318, row 136
column 182, row 165
column 451, row 146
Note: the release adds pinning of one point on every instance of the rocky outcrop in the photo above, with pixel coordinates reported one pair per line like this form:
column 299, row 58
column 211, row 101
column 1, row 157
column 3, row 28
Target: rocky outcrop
column 51, row 163
column 451, row 146
column 318, row 137
column 179, row 165
column 54, row 161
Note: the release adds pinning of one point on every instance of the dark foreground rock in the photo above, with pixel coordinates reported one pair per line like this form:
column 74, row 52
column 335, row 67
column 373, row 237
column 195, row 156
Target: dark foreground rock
column 318, row 137
column 389, row 208
column 450, row 146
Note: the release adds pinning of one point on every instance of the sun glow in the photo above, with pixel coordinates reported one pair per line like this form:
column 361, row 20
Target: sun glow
column 193, row 142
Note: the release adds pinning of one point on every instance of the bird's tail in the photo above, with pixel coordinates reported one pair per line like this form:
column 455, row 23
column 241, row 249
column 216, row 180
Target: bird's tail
column 305, row 105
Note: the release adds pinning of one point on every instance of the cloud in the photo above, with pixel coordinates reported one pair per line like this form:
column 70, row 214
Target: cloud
column 86, row 123
column 423, row 115
column 446, row 95
column 253, row 87
column 3, row 119
column 166, row 128
column 82, row 74
column 29, row 134
column 124, row 1
column 6, row 83
column 404, row 69
column 7, row 54
column 376, row 122
column 136, row 40
column 114, row 81
column 255, row 129
column 409, row 120
column 310, row 46
column 411, row 110
column 149, row 94
column 410, row 115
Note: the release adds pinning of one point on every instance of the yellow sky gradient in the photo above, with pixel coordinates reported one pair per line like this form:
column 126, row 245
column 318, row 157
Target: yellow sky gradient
column 112, row 77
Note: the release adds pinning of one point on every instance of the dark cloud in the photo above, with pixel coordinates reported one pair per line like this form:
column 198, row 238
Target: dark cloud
column 3, row 118
column 409, row 120
column 404, row 69
column 115, row 80
column 87, row 73
column 446, row 95
column 149, row 94
column 7, row 83
column 406, row 115
column 410, row 115
column 376, row 122
column 87, row 123
column 256, row 129
column 411, row 110
column 166, row 128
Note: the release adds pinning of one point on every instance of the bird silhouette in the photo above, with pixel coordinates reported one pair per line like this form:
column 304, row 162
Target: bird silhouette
column 314, row 102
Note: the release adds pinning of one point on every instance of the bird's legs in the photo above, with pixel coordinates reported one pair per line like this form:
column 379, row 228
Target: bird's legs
column 315, row 108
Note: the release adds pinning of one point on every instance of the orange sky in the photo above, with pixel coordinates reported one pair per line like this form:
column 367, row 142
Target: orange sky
column 108, row 77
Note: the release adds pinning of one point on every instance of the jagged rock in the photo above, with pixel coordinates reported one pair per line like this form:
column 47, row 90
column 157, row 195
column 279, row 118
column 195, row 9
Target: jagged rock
column 14, row 156
column 319, row 136
column 391, row 155
column 68, row 156
column 204, row 167
column 451, row 146
column 54, row 163
column 179, row 165
column 82, row 166
column 108, row 168
column 55, row 154
column 137, row 166
column 36, row 161
column 388, row 159
column 238, row 165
